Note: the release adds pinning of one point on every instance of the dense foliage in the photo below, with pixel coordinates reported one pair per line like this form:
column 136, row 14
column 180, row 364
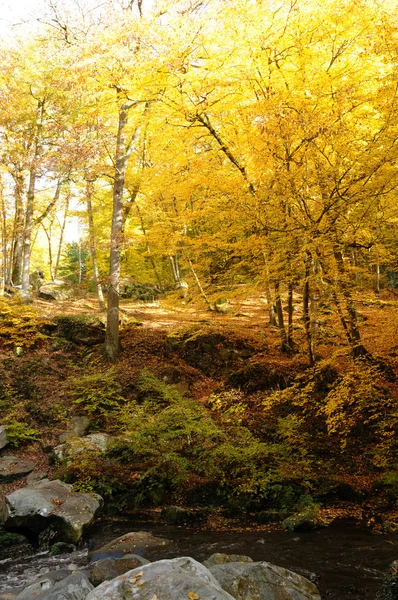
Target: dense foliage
column 239, row 146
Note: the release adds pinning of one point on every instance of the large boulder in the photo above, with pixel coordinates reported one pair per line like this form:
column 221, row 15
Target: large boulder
column 109, row 568
column 80, row 330
column 142, row 543
column 74, row 587
column 263, row 581
column 12, row 468
column 56, row 504
column 33, row 591
column 177, row 579
column 56, row 290
column 145, row 292
column 222, row 559
column 3, row 437
column 73, row 446
column 77, row 427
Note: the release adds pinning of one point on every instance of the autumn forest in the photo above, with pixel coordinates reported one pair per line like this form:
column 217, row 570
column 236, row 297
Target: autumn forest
column 234, row 164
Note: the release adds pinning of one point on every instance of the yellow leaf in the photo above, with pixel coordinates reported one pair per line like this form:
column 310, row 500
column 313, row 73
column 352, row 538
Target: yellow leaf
column 193, row 596
column 136, row 577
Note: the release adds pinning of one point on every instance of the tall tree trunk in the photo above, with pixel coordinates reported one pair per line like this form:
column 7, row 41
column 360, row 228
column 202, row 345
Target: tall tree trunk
column 25, row 291
column 27, row 235
column 203, row 293
column 61, row 238
column 100, row 295
column 4, row 240
column 148, row 249
column 81, row 265
column 377, row 288
column 358, row 348
column 50, row 252
column 15, row 265
column 112, row 343
column 290, row 310
column 279, row 313
column 306, row 310
column 270, row 303
column 175, row 268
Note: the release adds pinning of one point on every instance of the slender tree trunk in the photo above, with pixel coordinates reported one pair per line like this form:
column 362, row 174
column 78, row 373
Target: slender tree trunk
column 358, row 348
column 290, row 310
column 306, row 310
column 61, row 238
column 27, row 237
column 270, row 302
column 342, row 317
column 175, row 268
column 25, row 292
column 148, row 249
column 279, row 313
column 81, row 266
column 15, row 264
column 4, row 240
column 112, row 343
column 100, row 295
column 203, row 293
column 50, row 253
column 377, row 289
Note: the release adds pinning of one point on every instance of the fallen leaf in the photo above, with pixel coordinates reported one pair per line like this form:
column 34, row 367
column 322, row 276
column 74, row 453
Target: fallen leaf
column 136, row 577
column 193, row 596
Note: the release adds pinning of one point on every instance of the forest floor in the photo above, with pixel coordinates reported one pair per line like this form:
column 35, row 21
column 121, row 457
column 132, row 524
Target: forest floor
column 200, row 372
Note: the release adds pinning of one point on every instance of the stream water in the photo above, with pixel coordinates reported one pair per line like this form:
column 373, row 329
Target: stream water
column 346, row 563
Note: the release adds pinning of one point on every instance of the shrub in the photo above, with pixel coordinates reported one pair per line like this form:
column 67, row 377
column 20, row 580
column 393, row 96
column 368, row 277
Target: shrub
column 97, row 394
column 21, row 325
column 19, row 433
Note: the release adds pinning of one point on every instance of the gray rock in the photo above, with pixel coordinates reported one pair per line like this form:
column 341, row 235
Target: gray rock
column 77, row 427
column 142, row 543
column 12, row 468
column 3, row 437
column 74, row 587
column 52, row 576
column 53, row 503
column 222, row 559
column 163, row 580
column 95, row 441
column 33, row 591
column 56, row 290
column 36, row 476
column 109, row 568
column 262, row 580
column 9, row 594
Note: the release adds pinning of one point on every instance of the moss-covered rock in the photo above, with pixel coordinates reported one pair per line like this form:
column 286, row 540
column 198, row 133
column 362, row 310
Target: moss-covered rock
column 85, row 331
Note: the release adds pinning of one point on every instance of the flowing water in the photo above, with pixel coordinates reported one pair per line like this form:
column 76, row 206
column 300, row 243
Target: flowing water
column 346, row 563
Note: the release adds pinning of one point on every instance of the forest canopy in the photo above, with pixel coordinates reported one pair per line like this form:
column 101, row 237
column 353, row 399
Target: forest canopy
column 228, row 146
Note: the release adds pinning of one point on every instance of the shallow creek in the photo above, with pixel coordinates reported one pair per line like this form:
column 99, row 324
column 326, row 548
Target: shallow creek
column 346, row 563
